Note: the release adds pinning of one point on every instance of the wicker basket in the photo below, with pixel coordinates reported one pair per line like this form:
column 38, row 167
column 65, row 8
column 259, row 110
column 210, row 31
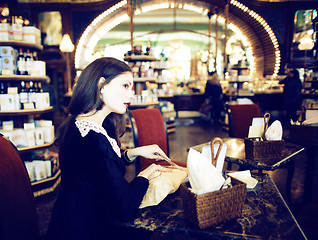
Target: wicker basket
column 208, row 209
column 257, row 150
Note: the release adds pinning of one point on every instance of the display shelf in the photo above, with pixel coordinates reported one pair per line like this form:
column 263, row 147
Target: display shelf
column 141, row 58
column 145, row 79
column 34, row 148
column 160, row 68
column 21, row 116
column 23, row 78
column 161, row 82
column 144, row 104
column 47, row 185
column 23, row 44
column 26, row 112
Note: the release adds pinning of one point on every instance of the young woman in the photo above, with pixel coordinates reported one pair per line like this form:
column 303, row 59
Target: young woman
column 94, row 193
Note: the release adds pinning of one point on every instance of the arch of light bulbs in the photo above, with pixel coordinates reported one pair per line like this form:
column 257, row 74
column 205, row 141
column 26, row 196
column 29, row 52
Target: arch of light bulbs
column 104, row 23
column 267, row 29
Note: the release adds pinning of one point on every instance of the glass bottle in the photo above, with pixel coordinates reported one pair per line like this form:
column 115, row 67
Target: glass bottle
column 23, row 94
column 28, row 62
column 32, row 93
column 21, row 63
column 3, row 89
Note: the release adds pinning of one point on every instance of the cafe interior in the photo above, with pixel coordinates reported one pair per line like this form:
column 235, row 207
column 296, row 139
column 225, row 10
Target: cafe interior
column 174, row 49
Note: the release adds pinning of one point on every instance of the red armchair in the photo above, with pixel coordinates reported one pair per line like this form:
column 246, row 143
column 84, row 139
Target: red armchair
column 240, row 118
column 148, row 128
column 17, row 207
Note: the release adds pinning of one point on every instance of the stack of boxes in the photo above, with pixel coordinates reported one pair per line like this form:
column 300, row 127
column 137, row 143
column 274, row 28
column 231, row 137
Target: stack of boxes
column 18, row 32
column 32, row 134
column 8, row 57
column 8, row 63
column 11, row 100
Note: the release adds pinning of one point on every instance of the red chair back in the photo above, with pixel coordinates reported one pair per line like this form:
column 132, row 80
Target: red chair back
column 151, row 129
column 240, row 118
column 17, row 207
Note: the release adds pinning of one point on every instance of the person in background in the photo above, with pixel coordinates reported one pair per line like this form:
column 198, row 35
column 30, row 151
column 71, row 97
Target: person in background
column 94, row 193
column 214, row 96
column 291, row 95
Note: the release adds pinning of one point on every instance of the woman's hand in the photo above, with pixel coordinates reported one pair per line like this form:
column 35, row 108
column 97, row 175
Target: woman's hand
column 147, row 152
column 151, row 169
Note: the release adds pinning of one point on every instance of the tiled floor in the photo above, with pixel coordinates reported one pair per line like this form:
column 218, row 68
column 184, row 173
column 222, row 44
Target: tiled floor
column 190, row 132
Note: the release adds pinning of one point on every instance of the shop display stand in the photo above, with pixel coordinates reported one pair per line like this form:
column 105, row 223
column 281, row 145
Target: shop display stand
column 20, row 116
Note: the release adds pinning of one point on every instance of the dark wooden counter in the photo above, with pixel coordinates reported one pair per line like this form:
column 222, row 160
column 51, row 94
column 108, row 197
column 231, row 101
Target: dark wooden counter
column 185, row 102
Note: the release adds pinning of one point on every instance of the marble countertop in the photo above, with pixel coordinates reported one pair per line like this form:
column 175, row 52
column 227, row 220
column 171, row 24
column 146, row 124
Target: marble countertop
column 265, row 215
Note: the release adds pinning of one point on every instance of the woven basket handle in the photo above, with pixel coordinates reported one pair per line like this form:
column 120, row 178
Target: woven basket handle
column 266, row 120
column 214, row 140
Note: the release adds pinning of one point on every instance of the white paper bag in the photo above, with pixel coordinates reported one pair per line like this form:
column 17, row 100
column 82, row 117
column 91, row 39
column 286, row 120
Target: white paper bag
column 203, row 176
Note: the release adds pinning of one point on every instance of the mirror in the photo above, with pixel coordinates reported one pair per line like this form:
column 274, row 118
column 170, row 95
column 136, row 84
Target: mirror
column 181, row 37
column 50, row 24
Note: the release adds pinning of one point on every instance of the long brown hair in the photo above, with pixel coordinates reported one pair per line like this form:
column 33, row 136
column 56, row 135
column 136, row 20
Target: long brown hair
column 86, row 95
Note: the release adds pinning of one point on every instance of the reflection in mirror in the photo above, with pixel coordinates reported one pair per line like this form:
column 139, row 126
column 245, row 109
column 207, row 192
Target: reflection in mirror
column 50, row 24
column 180, row 38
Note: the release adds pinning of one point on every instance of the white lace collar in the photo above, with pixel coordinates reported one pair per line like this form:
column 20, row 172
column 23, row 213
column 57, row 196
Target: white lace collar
column 84, row 126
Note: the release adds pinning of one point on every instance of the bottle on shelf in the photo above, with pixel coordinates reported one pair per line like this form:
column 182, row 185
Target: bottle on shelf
column 32, row 93
column 39, row 87
column 23, row 95
column 35, row 56
column 21, row 67
column 148, row 49
column 3, row 89
column 28, row 62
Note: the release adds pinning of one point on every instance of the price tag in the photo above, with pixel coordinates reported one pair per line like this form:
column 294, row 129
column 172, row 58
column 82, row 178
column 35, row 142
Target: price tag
column 28, row 105
column 12, row 90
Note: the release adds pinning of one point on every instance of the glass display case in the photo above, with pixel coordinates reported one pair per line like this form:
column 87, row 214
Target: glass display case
column 304, row 43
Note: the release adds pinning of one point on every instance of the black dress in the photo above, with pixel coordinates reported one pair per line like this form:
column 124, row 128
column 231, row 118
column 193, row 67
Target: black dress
column 94, row 193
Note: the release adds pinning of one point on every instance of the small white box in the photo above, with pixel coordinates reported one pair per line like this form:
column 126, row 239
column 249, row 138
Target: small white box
column 17, row 32
column 8, row 65
column 31, row 34
column 48, row 134
column 5, row 32
column 12, row 90
column 29, row 126
column 7, row 51
column 30, row 138
column 30, row 169
column 42, row 100
column 40, row 170
column 48, row 167
column 7, row 125
column 39, row 136
column 30, row 38
column 19, row 137
column 38, row 69
column 9, row 102
column 8, row 134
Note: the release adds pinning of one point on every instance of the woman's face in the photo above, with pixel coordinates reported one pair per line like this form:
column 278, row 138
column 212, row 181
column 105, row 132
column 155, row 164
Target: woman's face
column 118, row 94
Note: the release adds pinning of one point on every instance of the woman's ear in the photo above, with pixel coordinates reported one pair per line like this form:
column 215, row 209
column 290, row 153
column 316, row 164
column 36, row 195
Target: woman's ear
column 100, row 83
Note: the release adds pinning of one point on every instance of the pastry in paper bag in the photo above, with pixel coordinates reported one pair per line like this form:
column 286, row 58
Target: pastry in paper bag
column 203, row 176
column 161, row 184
